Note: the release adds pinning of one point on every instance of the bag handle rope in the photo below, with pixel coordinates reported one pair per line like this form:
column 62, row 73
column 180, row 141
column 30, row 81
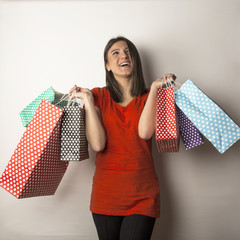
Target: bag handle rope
column 76, row 100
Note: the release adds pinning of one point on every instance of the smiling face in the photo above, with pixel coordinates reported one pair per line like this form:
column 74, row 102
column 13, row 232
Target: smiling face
column 119, row 60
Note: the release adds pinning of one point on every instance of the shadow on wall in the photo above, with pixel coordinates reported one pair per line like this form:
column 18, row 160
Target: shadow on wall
column 203, row 157
column 168, row 215
column 146, row 67
column 168, row 222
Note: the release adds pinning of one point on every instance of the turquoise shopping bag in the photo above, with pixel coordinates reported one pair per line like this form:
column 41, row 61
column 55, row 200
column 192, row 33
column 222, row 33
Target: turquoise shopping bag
column 207, row 116
column 50, row 95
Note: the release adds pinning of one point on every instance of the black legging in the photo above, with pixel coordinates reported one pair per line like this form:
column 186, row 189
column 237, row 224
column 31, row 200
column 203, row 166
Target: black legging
column 133, row 227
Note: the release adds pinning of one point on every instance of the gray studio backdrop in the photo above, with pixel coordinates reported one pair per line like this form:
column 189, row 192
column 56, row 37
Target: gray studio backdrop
column 60, row 43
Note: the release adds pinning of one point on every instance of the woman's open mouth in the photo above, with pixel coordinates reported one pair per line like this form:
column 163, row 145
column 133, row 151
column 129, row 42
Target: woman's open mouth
column 124, row 64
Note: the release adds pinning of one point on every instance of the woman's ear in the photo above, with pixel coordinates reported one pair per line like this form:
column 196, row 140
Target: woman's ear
column 108, row 67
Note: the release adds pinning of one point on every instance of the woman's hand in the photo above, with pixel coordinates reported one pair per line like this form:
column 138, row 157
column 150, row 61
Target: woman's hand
column 147, row 122
column 162, row 81
column 95, row 131
column 84, row 93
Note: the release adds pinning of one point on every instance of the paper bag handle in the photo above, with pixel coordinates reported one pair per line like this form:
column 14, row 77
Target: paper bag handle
column 79, row 101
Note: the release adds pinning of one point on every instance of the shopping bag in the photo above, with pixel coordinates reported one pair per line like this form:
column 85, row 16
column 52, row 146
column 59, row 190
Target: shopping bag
column 35, row 168
column 49, row 95
column 74, row 145
column 190, row 135
column 207, row 116
column 167, row 132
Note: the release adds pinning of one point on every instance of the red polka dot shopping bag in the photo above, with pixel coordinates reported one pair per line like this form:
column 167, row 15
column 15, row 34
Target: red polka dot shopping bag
column 167, row 132
column 35, row 168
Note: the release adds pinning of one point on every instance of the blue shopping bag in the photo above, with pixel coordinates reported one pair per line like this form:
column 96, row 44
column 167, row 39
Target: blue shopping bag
column 207, row 116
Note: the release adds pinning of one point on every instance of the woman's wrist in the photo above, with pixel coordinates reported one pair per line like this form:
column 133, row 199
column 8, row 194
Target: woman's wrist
column 88, row 104
column 153, row 90
column 154, row 86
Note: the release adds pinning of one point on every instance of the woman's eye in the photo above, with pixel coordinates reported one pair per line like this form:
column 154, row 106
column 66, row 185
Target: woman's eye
column 128, row 52
column 115, row 53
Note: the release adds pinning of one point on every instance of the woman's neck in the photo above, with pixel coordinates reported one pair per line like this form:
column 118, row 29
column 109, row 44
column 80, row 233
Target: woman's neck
column 126, row 86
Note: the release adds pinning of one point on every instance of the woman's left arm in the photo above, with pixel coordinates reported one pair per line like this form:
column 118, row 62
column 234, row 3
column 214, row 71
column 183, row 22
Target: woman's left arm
column 147, row 121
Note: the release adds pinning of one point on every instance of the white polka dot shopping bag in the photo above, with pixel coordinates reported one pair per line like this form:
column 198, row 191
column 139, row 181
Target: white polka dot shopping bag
column 74, row 145
column 207, row 116
column 49, row 95
column 35, row 168
column 167, row 132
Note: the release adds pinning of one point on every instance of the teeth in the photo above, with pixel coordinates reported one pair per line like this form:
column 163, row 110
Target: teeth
column 124, row 64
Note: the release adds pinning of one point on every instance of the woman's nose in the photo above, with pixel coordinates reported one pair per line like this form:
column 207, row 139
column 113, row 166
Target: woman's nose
column 124, row 55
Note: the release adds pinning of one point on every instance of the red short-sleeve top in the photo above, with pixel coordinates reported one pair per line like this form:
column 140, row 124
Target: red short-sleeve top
column 121, row 126
column 125, row 181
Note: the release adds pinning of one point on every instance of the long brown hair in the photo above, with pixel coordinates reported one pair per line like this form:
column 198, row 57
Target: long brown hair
column 138, row 84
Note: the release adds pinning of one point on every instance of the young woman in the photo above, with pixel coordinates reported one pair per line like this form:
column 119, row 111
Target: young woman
column 120, row 122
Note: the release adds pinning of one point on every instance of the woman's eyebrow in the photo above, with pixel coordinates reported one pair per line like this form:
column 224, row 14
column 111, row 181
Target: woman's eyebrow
column 115, row 50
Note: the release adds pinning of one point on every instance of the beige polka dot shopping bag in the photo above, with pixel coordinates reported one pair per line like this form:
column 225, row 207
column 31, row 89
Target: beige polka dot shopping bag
column 35, row 168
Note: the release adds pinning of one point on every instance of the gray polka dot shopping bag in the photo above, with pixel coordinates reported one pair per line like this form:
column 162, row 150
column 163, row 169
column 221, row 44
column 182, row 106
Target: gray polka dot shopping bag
column 207, row 116
column 74, row 145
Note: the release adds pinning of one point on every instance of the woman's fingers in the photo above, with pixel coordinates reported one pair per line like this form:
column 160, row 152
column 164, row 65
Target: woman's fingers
column 79, row 92
column 72, row 90
column 170, row 76
column 164, row 81
column 75, row 94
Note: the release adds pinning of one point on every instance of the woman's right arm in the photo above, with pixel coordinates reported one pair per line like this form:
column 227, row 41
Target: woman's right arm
column 95, row 131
